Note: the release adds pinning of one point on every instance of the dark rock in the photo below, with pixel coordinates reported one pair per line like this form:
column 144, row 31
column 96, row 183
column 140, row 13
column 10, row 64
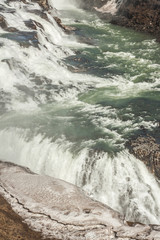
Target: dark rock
column 3, row 22
column 43, row 3
column 33, row 24
column 147, row 148
column 11, row 29
column 140, row 15
column 67, row 29
column 25, row 39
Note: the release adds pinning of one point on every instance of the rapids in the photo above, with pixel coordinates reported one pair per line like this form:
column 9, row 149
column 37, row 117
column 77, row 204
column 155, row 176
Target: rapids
column 68, row 103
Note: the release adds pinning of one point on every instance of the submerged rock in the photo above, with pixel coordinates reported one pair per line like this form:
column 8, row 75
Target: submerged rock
column 61, row 210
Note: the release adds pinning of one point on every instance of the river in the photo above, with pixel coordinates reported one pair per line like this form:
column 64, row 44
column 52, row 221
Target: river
column 69, row 102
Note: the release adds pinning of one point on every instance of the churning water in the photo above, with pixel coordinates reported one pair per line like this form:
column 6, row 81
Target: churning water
column 68, row 103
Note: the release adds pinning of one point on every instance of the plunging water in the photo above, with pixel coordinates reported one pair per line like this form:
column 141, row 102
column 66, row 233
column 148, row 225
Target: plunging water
column 69, row 102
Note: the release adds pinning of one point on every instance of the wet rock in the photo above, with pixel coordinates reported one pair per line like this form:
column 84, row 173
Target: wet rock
column 3, row 23
column 11, row 29
column 140, row 15
column 25, row 39
column 67, row 29
column 43, row 3
column 6, row 10
column 8, row 1
column 147, row 148
column 33, row 24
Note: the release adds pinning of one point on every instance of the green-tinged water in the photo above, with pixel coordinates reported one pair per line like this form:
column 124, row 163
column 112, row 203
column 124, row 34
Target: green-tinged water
column 129, row 63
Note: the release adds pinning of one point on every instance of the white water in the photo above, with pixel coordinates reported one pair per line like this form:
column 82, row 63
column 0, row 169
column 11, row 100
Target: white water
column 122, row 181
column 62, row 4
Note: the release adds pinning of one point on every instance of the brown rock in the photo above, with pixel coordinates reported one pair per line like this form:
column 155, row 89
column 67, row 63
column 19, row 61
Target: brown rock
column 147, row 149
column 12, row 226
column 43, row 3
column 67, row 29
column 3, row 22
column 140, row 15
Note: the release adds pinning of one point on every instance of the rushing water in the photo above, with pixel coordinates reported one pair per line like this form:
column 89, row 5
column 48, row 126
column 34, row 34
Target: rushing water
column 68, row 103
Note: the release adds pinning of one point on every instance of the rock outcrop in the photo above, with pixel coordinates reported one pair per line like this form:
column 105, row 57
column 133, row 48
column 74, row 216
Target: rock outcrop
column 12, row 226
column 137, row 14
column 147, row 148
column 61, row 210
column 140, row 15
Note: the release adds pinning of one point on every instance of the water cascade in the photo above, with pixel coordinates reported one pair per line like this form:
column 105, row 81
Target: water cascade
column 69, row 102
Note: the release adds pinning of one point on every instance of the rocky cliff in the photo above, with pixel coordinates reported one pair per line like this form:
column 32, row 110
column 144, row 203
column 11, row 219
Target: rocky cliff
column 137, row 14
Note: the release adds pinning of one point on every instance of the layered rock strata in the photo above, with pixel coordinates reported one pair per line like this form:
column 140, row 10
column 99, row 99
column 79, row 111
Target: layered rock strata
column 61, row 210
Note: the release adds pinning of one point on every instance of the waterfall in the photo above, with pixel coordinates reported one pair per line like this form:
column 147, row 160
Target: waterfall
column 121, row 182
column 72, row 125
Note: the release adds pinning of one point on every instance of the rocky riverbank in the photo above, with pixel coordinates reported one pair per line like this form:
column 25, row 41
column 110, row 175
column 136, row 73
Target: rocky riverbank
column 139, row 15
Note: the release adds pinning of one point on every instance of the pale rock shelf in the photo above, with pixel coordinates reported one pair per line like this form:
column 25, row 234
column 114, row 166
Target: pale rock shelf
column 63, row 211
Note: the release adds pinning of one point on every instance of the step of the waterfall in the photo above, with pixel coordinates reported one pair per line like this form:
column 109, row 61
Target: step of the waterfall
column 67, row 107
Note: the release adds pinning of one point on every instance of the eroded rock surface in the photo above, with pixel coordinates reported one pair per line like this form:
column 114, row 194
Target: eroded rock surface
column 60, row 210
column 12, row 226
column 147, row 149
column 137, row 14
column 140, row 15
